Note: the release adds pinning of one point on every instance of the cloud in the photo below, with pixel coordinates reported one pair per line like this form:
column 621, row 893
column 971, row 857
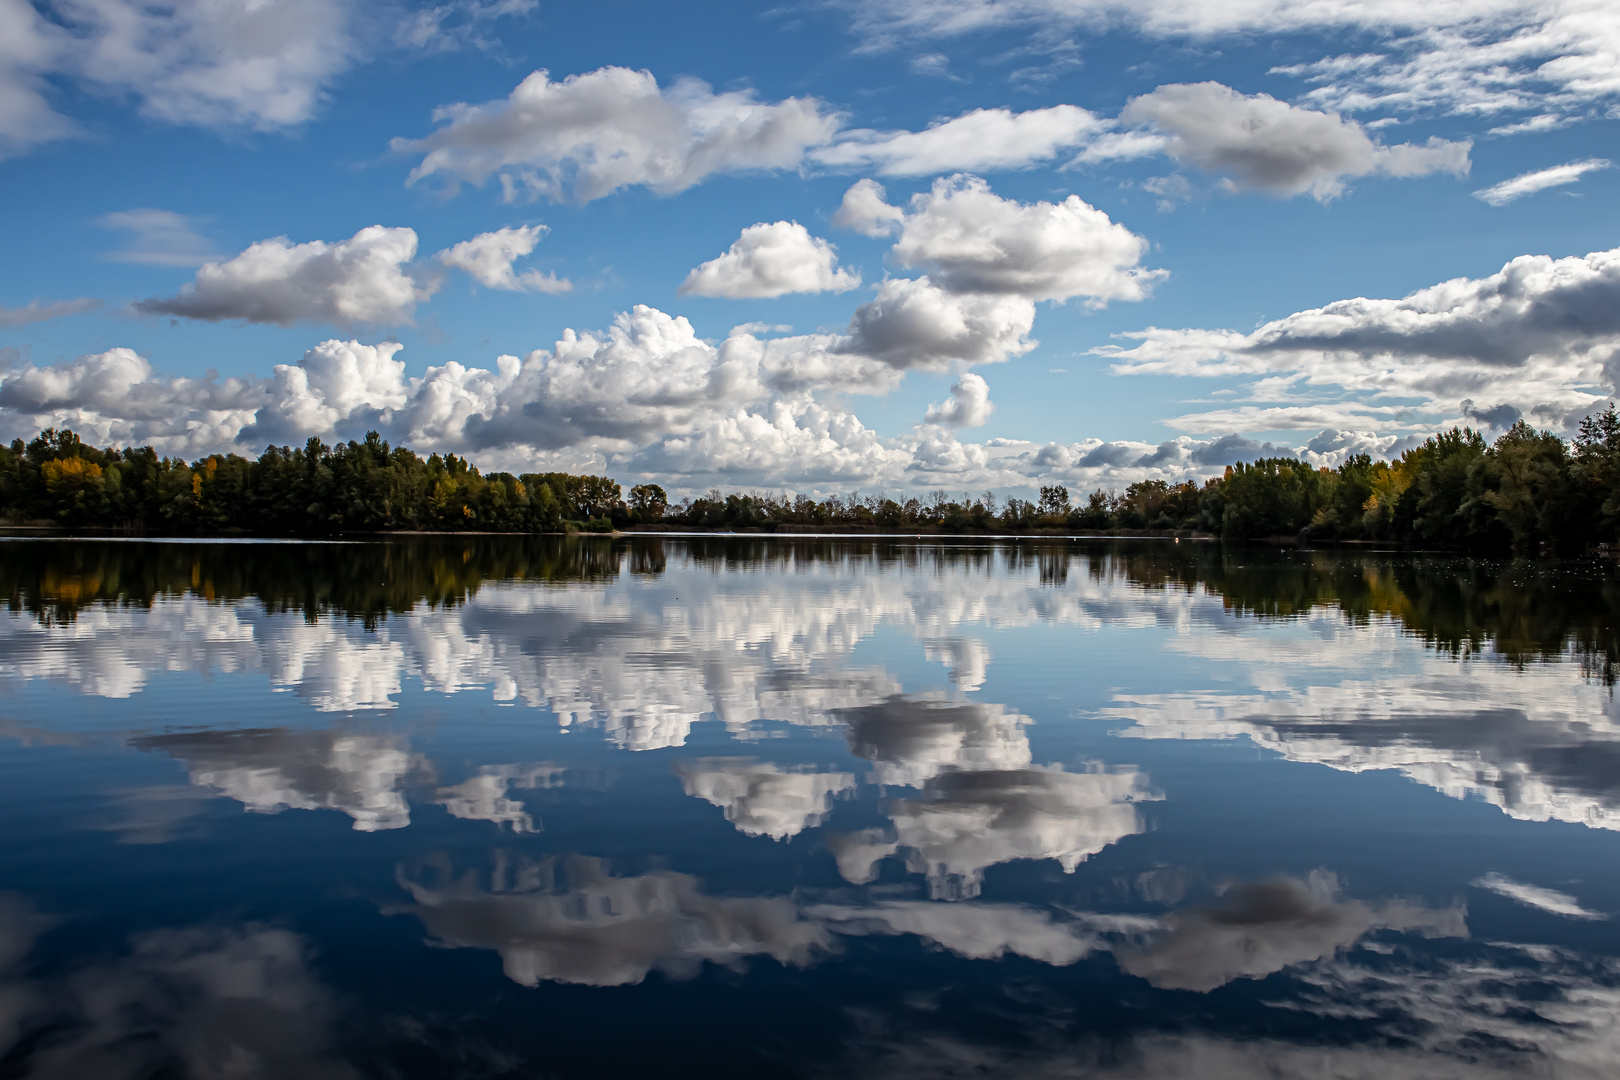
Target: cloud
column 864, row 211
column 913, row 323
column 459, row 24
column 30, row 48
column 1262, row 928
column 483, row 796
column 487, row 258
column 1540, row 335
column 592, row 134
column 969, row 820
column 358, row 280
column 1498, row 417
column 788, row 442
column 573, row 922
column 971, row 240
column 182, row 1001
column 979, row 141
column 35, row 311
column 761, row 799
column 968, row 406
column 158, row 238
column 1471, row 58
column 264, row 66
column 912, row 739
column 647, row 397
column 772, row 260
column 269, row 770
column 1538, row 748
column 1531, row 182
column 1471, row 1011
column 1268, row 145
column 976, row 931
column 1550, row 900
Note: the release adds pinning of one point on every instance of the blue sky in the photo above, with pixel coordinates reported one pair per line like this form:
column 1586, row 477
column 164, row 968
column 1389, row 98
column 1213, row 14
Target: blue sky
column 1162, row 195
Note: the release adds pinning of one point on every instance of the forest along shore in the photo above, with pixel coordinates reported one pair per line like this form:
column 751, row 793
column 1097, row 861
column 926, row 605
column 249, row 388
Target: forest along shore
column 1528, row 492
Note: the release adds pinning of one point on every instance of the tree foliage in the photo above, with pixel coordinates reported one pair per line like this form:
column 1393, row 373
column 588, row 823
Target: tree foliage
column 312, row 490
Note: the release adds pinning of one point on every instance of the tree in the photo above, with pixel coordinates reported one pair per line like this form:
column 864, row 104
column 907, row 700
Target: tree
column 649, row 501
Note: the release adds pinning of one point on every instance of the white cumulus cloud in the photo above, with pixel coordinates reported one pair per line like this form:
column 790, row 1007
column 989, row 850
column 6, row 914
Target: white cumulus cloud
column 487, row 258
column 358, row 280
column 588, row 135
column 913, row 323
column 865, row 211
column 968, row 406
column 970, row 239
column 772, row 259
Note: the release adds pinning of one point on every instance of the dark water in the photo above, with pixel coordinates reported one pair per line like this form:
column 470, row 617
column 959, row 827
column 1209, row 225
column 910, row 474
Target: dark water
column 738, row 808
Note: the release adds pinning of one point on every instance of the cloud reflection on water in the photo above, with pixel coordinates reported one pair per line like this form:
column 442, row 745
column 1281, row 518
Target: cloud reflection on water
column 1260, row 928
column 572, row 921
column 228, row 1001
column 761, row 799
column 967, row 821
column 269, row 770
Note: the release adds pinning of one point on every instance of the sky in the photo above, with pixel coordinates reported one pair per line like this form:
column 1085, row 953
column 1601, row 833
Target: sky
column 821, row 246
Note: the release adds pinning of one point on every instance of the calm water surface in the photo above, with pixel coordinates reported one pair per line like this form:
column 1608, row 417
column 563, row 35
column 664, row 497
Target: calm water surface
column 771, row 807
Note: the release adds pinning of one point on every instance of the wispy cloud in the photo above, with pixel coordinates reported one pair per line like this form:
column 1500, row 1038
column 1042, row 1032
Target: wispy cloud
column 37, row 312
column 158, row 238
column 1531, row 182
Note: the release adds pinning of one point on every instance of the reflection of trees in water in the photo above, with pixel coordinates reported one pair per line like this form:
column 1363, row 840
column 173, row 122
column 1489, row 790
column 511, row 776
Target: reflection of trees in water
column 367, row 580
column 1523, row 610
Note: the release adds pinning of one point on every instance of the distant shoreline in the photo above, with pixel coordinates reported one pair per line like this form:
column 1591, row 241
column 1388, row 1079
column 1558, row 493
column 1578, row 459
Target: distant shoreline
column 798, row 532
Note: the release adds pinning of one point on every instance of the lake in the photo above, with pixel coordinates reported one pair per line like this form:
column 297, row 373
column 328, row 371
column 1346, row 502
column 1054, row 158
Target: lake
column 760, row 806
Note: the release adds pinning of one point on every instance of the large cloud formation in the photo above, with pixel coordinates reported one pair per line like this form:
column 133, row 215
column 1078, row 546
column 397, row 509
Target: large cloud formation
column 648, row 395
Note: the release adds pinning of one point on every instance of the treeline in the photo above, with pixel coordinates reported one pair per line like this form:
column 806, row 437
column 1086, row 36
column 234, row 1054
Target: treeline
column 1528, row 492
column 314, row 490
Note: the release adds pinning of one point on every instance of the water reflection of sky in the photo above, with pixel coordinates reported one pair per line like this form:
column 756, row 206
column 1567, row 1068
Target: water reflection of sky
column 1057, row 810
